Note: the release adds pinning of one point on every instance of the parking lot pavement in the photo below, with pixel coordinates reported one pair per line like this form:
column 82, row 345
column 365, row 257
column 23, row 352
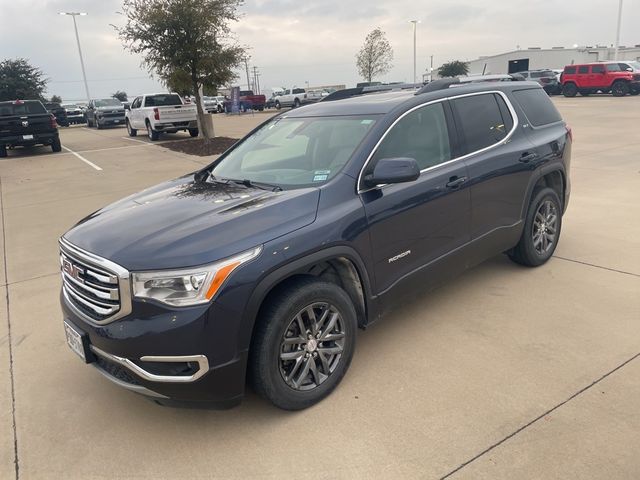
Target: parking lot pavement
column 506, row 372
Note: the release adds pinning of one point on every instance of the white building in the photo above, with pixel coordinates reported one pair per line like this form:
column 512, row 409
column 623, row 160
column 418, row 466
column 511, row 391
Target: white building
column 556, row 57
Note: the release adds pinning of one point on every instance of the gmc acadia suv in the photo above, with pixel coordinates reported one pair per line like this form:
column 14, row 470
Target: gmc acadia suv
column 263, row 264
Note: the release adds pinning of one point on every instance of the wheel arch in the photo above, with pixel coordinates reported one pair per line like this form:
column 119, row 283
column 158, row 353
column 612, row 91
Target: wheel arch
column 554, row 177
column 340, row 265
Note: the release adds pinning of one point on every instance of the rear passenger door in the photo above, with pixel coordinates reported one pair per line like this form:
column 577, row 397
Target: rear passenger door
column 500, row 163
column 413, row 224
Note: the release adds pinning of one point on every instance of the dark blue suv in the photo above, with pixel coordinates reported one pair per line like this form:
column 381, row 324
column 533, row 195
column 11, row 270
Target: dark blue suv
column 262, row 265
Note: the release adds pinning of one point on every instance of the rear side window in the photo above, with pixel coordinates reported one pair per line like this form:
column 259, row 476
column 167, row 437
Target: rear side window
column 421, row 135
column 570, row 70
column 21, row 109
column 537, row 106
column 597, row 69
column 583, row 69
column 482, row 120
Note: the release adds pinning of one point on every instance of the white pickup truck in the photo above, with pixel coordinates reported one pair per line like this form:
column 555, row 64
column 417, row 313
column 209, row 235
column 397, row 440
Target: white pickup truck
column 161, row 112
column 295, row 97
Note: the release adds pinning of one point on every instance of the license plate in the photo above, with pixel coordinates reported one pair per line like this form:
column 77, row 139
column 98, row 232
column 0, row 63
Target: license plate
column 27, row 137
column 74, row 340
column 116, row 121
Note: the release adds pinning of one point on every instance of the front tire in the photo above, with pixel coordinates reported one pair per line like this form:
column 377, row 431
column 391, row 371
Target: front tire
column 278, row 106
column 131, row 131
column 541, row 230
column 619, row 89
column 193, row 132
column 303, row 344
column 3, row 151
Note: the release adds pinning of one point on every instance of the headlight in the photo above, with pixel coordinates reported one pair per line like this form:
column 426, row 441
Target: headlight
column 190, row 286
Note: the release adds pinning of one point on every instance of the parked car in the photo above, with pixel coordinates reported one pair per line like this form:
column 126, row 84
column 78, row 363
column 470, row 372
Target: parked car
column 105, row 111
column 26, row 123
column 248, row 101
column 294, row 98
column 59, row 112
column 75, row 115
column 213, row 104
column 547, row 79
column 607, row 77
column 161, row 113
column 266, row 261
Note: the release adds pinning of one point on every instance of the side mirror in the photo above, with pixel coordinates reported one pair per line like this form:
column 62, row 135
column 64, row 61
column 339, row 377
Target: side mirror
column 629, row 69
column 393, row 170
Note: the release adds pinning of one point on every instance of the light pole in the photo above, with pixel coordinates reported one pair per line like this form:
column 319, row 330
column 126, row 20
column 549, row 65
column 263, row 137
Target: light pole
column 415, row 25
column 75, row 27
column 615, row 54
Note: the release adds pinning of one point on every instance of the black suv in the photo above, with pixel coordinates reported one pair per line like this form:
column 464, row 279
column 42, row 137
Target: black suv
column 264, row 263
column 59, row 112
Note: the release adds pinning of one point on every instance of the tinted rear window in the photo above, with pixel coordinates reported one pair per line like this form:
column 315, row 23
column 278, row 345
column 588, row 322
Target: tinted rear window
column 537, row 106
column 583, row 69
column 482, row 121
column 569, row 69
column 162, row 100
column 21, row 109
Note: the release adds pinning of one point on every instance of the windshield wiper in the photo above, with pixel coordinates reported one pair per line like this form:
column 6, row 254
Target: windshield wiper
column 248, row 183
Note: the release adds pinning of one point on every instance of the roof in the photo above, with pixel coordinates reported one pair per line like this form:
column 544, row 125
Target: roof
column 383, row 102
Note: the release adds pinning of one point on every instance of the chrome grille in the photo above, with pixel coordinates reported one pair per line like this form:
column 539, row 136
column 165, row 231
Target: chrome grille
column 95, row 288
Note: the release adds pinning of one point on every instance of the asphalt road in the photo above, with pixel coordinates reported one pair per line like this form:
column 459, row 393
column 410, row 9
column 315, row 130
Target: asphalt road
column 506, row 372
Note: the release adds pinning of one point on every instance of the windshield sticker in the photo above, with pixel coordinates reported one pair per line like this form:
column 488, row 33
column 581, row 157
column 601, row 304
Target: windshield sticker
column 322, row 172
column 366, row 122
column 320, row 178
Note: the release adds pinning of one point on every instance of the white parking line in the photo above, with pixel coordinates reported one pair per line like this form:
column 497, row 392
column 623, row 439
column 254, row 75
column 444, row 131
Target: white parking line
column 82, row 158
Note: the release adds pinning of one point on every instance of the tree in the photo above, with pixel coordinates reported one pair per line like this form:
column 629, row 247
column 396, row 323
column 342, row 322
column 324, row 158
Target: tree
column 375, row 56
column 120, row 95
column 455, row 68
column 56, row 99
column 184, row 41
column 21, row 80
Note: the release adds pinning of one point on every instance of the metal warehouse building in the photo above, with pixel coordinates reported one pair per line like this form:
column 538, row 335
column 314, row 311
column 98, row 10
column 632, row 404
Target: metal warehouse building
column 556, row 57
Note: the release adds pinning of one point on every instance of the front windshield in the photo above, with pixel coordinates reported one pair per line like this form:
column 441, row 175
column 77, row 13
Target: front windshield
column 634, row 65
column 108, row 102
column 295, row 151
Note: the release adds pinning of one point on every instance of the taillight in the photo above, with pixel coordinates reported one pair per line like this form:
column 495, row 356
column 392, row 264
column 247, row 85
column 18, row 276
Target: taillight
column 569, row 132
column 52, row 121
column 156, row 114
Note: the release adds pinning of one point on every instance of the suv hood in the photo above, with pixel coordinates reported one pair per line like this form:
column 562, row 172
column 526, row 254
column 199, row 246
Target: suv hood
column 183, row 223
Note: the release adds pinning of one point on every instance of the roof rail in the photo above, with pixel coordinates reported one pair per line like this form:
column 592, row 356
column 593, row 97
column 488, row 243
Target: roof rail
column 352, row 92
column 444, row 83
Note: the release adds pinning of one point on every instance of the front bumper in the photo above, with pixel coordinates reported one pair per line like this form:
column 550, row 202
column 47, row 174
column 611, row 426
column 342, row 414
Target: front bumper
column 111, row 120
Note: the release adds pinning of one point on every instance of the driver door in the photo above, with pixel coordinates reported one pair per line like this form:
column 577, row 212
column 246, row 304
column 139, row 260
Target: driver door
column 415, row 225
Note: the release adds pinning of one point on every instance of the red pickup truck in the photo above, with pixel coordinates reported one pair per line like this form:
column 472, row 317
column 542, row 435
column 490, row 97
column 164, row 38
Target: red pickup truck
column 248, row 101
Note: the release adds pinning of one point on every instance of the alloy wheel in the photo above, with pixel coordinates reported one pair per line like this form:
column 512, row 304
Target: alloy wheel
column 545, row 225
column 312, row 346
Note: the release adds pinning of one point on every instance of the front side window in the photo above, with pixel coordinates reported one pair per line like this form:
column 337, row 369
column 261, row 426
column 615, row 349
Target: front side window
column 421, row 134
column 482, row 120
column 612, row 67
column 295, row 152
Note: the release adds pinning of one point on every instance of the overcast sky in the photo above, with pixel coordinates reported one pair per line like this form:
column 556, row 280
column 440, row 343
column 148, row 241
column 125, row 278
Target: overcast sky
column 294, row 41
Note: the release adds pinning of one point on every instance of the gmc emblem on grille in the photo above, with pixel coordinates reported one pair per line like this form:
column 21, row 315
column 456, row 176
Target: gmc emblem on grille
column 71, row 270
column 25, row 123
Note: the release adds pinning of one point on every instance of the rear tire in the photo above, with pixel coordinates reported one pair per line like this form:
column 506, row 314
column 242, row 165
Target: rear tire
column 569, row 90
column 56, row 146
column 193, row 132
column 294, row 374
column 541, row 229
column 296, row 103
column 131, row 131
column 620, row 89
column 3, row 151
column 151, row 133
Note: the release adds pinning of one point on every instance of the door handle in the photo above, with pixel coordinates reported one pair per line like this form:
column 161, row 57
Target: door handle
column 527, row 157
column 455, row 182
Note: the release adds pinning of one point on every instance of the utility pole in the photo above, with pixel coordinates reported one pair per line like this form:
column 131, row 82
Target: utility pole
column 246, row 66
column 256, row 80
column 431, row 70
column 75, row 27
column 415, row 25
column 615, row 54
